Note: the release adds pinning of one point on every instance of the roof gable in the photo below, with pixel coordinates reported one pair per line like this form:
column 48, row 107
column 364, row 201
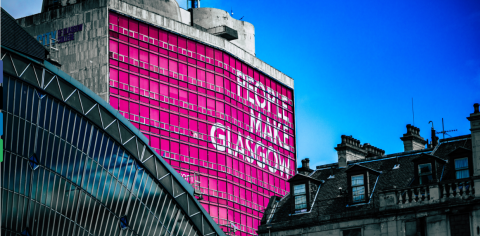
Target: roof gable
column 357, row 167
column 427, row 157
column 460, row 151
column 301, row 177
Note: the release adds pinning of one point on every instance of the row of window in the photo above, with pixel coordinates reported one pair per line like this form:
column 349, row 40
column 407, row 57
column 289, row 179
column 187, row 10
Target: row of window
column 153, row 36
column 148, row 113
column 120, row 79
column 198, row 137
column 275, row 108
column 211, row 79
column 277, row 186
column 425, row 176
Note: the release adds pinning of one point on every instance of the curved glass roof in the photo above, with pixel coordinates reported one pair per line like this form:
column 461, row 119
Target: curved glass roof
column 112, row 147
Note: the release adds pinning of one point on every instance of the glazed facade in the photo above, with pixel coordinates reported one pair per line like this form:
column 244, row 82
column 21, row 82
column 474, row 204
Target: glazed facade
column 226, row 127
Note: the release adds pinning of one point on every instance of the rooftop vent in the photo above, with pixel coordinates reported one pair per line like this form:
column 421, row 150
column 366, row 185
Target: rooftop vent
column 224, row 32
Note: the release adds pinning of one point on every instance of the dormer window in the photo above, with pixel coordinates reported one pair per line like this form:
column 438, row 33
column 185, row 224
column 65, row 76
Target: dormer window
column 461, row 168
column 425, row 173
column 358, row 188
column 300, row 194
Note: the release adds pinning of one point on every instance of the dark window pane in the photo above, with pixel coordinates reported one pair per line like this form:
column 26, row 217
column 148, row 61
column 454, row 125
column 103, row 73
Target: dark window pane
column 352, row 232
column 425, row 168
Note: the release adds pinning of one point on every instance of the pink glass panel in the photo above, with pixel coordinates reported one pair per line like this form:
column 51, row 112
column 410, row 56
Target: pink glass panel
column 196, row 112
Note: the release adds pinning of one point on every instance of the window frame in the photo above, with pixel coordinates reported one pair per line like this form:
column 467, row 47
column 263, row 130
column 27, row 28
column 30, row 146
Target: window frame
column 304, row 195
column 467, row 168
column 419, row 174
column 358, row 186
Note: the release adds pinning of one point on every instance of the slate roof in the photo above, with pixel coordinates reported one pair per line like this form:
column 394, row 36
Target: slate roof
column 329, row 203
column 16, row 38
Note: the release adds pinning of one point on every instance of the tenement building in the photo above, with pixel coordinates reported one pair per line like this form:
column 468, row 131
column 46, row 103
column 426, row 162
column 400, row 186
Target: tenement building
column 73, row 165
column 421, row 191
column 190, row 82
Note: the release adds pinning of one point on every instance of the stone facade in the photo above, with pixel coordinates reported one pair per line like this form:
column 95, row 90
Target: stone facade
column 404, row 198
column 86, row 57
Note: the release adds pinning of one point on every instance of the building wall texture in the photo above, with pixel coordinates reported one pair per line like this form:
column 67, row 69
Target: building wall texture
column 86, row 57
column 212, row 17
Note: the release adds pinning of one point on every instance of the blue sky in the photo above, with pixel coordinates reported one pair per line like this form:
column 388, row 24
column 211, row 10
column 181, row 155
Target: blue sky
column 358, row 64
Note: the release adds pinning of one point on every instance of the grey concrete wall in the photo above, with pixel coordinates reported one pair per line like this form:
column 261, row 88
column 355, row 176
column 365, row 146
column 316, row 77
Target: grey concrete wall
column 189, row 31
column 86, row 57
column 186, row 16
column 212, row 17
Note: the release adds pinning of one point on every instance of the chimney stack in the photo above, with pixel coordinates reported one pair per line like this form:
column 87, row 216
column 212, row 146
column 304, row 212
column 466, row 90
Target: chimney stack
column 305, row 169
column 373, row 151
column 412, row 140
column 474, row 119
column 349, row 150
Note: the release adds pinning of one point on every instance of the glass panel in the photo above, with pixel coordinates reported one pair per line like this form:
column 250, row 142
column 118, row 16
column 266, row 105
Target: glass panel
column 299, row 189
column 300, row 202
column 357, row 180
column 358, row 193
column 425, row 168
column 461, row 174
column 425, row 179
column 461, row 163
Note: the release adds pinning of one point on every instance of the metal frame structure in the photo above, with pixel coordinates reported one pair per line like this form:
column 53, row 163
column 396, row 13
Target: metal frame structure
column 74, row 166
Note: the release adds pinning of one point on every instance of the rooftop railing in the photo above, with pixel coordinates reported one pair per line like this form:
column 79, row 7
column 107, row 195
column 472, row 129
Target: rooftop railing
column 434, row 193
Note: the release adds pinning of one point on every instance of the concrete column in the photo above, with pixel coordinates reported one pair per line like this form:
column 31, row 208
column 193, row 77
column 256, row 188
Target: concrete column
column 388, row 200
column 437, row 225
column 476, row 183
column 392, row 226
column 434, row 193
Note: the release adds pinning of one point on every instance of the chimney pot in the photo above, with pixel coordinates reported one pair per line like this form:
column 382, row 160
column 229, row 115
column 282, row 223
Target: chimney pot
column 412, row 139
column 475, row 108
column 305, row 169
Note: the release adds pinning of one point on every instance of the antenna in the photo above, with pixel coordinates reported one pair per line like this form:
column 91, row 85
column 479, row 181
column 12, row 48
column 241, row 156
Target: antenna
column 445, row 131
column 413, row 113
column 242, row 17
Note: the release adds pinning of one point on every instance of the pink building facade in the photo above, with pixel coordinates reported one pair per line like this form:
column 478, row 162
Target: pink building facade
column 227, row 127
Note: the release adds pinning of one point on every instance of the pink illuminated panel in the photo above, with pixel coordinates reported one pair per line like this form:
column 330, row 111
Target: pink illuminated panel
column 208, row 113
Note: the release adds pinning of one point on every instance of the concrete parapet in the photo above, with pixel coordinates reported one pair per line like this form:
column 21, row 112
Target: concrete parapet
column 212, row 17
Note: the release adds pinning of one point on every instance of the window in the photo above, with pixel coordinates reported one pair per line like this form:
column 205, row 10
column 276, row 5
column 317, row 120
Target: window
column 425, row 173
column 461, row 168
column 352, row 232
column 416, row 227
column 358, row 188
column 460, row 225
column 300, row 198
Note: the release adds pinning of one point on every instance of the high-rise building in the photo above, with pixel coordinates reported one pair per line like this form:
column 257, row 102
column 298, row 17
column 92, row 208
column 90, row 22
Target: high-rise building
column 73, row 165
column 190, row 82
